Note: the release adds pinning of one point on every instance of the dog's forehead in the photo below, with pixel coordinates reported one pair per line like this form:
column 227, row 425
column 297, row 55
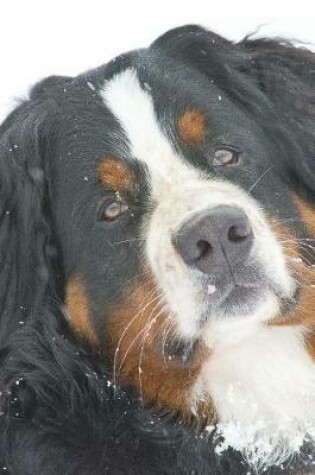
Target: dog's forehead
column 133, row 106
column 174, row 136
column 113, row 106
column 166, row 117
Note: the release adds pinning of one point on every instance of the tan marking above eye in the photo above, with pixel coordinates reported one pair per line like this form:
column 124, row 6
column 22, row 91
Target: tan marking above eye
column 192, row 126
column 114, row 174
column 78, row 309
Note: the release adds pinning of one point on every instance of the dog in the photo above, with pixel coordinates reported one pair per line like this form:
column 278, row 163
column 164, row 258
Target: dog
column 157, row 293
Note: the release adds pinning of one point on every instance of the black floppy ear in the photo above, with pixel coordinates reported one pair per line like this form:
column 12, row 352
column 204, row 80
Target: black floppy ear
column 25, row 235
column 272, row 80
column 205, row 50
column 286, row 75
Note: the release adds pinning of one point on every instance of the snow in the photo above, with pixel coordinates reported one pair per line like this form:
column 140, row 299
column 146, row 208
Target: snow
column 258, row 449
column 147, row 86
column 91, row 86
column 211, row 289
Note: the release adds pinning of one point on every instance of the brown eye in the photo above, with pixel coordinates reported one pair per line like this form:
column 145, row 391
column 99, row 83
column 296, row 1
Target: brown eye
column 113, row 210
column 225, row 156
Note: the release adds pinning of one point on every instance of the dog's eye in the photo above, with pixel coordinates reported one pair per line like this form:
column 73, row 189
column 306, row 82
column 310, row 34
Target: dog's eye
column 113, row 209
column 225, row 156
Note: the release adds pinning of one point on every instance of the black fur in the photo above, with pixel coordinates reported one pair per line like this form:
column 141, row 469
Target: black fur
column 58, row 409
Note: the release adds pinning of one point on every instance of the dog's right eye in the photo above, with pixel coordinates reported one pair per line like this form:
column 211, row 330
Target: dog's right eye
column 113, row 209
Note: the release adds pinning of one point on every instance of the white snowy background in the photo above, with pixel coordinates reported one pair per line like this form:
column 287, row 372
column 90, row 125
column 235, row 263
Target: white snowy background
column 39, row 38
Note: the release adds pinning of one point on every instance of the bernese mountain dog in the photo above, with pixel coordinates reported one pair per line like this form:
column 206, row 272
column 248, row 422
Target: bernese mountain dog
column 157, row 284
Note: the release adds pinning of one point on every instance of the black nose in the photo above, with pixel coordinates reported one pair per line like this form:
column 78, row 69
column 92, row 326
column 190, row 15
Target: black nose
column 215, row 241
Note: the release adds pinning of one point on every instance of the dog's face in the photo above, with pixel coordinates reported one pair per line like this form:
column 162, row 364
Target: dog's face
column 177, row 216
column 171, row 206
column 180, row 192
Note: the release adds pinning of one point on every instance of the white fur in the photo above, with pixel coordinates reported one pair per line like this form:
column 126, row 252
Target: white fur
column 262, row 381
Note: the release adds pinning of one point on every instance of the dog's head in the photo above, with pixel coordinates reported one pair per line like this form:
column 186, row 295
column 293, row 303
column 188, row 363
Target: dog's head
column 166, row 199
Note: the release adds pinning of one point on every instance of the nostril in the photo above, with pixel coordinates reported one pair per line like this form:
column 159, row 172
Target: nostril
column 239, row 232
column 216, row 240
column 204, row 249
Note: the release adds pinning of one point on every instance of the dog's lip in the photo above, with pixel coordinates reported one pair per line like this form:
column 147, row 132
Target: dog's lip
column 217, row 293
column 246, row 294
column 249, row 276
column 178, row 350
column 236, row 297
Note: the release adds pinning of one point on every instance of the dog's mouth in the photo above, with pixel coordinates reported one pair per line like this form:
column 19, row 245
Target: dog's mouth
column 246, row 294
column 237, row 293
column 182, row 351
column 235, row 300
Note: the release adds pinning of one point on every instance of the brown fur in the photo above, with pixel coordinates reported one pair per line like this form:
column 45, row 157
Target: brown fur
column 114, row 174
column 135, row 330
column 307, row 213
column 78, row 309
column 192, row 126
column 303, row 313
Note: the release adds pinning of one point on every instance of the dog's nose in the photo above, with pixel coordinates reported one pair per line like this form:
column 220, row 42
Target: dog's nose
column 216, row 240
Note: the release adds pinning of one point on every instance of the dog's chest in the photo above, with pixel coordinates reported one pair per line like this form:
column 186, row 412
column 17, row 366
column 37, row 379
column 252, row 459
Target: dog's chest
column 263, row 389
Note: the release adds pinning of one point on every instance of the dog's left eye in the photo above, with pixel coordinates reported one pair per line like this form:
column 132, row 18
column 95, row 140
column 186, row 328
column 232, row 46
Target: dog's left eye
column 225, row 156
column 113, row 209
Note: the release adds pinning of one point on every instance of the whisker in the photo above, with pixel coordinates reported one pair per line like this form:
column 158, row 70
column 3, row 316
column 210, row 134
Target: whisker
column 148, row 327
column 172, row 324
column 260, row 178
column 288, row 220
column 155, row 297
column 168, row 325
column 129, row 240
column 135, row 340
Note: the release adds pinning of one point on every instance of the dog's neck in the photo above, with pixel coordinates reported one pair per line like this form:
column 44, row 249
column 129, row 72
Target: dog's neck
column 263, row 386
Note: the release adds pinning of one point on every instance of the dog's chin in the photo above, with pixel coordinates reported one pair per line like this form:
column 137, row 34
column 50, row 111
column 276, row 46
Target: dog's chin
column 230, row 309
column 240, row 309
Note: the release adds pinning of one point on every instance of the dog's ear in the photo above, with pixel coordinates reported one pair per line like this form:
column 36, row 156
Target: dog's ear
column 204, row 50
column 286, row 75
column 25, row 237
column 271, row 80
